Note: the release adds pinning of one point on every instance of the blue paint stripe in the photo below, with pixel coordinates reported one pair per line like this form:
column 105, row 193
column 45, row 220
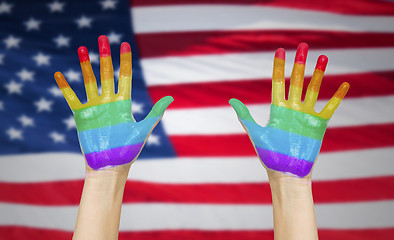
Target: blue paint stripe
column 283, row 142
column 122, row 134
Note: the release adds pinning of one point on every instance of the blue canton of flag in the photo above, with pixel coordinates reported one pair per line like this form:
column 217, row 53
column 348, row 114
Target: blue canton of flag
column 39, row 38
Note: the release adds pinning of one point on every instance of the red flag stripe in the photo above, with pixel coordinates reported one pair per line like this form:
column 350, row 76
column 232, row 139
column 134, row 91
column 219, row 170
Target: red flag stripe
column 19, row 232
column 47, row 193
column 336, row 139
column 210, row 94
column 216, row 42
column 359, row 7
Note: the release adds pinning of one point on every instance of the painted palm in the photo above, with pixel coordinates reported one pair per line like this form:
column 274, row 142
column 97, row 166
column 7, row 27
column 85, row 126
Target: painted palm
column 108, row 134
column 293, row 136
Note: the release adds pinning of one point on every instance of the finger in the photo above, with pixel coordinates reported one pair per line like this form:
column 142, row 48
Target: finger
column 156, row 113
column 334, row 102
column 88, row 75
column 125, row 71
column 314, row 85
column 278, row 77
column 241, row 110
column 297, row 76
column 106, row 69
column 68, row 93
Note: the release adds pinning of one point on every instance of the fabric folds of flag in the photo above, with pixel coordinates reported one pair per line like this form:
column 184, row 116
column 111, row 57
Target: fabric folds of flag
column 198, row 176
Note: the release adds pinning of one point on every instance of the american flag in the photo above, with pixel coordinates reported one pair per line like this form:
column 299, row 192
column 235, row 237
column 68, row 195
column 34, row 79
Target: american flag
column 198, row 177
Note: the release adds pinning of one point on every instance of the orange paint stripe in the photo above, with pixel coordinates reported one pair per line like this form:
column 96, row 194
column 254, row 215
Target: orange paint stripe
column 297, row 77
column 61, row 81
column 278, row 73
column 88, row 75
column 315, row 85
column 342, row 90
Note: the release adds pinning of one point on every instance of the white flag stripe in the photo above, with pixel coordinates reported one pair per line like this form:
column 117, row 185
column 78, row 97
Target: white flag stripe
column 330, row 166
column 258, row 65
column 189, row 18
column 139, row 217
column 223, row 120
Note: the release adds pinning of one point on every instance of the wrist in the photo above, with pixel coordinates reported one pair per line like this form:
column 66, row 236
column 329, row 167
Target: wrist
column 105, row 180
column 283, row 185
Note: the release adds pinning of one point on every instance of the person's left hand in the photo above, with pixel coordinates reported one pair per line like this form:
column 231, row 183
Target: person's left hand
column 292, row 138
column 108, row 134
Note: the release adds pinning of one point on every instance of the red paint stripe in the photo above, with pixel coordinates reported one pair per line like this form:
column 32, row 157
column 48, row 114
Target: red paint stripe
column 302, row 52
column 357, row 7
column 104, row 49
column 213, row 94
column 218, row 42
column 69, row 192
column 83, row 54
column 19, row 232
column 125, row 48
column 322, row 63
column 336, row 139
column 280, row 53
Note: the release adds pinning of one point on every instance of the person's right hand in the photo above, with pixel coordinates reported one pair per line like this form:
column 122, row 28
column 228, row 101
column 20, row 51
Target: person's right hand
column 292, row 139
column 108, row 134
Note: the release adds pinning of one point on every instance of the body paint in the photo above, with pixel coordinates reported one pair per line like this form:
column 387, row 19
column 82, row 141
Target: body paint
column 108, row 134
column 293, row 136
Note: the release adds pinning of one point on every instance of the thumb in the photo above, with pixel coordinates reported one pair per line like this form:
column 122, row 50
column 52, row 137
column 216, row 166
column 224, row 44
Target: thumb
column 156, row 113
column 241, row 110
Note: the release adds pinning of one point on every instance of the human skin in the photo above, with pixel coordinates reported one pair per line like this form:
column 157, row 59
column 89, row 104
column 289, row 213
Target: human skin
column 110, row 139
column 290, row 143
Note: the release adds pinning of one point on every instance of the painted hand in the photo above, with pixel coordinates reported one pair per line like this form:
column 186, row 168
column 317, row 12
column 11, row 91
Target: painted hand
column 292, row 138
column 108, row 134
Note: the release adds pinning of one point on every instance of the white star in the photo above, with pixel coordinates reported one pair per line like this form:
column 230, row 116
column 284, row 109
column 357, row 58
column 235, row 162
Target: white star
column 116, row 74
column 1, row 105
column 41, row 59
column 73, row 76
column 94, row 57
column 14, row 87
column 14, row 133
column 5, row 7
column 2, row 59
column 70, row 123
column 26, row 75
column 55, row 91
column 84, row 21
column 56, row 6
column 62, row 41
column 32, row 24
column 43, row 105
column 26, row 121
column 137, row 107
column 108, row 4
column 12, row 42
column 57, row 137
column 114, row 38
column 153, row 140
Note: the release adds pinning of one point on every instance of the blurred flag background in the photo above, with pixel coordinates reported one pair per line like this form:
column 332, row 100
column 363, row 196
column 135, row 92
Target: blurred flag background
column 198, row 177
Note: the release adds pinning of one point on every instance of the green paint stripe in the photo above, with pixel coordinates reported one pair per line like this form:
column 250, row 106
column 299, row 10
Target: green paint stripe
column 160, row 106
column 297, row 122
column 108, row 114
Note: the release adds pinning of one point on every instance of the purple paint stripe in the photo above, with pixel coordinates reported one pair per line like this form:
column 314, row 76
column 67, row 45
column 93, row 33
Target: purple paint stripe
column 113, row 157
column 284, row 163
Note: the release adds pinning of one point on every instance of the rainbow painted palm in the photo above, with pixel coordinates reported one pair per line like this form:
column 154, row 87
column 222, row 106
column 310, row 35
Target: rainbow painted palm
column 293, row 136
column 108, row 134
